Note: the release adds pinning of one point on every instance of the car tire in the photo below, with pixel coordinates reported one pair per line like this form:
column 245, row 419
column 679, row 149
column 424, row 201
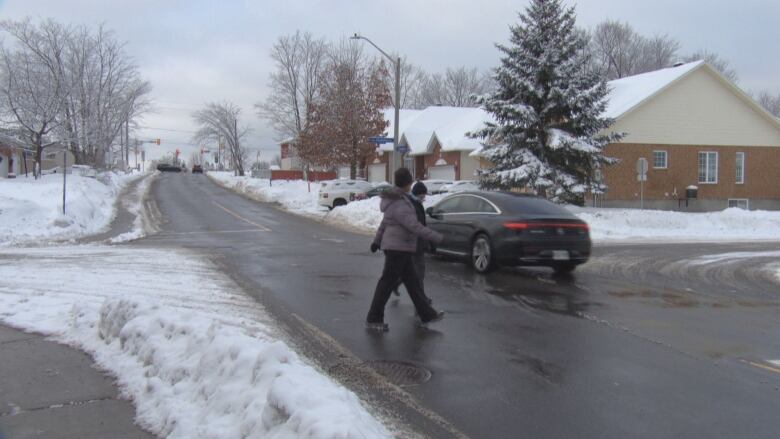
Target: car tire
column 482, row 258
column 339, row 202
column 564, row 268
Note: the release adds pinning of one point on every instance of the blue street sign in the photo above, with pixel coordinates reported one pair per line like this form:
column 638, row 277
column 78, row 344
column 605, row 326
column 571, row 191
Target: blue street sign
column 379, row 140
column 403, row 149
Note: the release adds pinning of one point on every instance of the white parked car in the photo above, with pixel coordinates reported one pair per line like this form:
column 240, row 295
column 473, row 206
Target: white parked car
column 434, row 186
column 459, row 186
column 337, row 193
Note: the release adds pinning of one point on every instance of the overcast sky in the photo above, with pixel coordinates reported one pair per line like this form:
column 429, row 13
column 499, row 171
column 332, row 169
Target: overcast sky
column 200, row 51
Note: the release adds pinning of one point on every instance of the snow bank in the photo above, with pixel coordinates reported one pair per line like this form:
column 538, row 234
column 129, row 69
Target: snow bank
column 31, row 210
column 657, row 225
column 292, row 195
column 197, row 357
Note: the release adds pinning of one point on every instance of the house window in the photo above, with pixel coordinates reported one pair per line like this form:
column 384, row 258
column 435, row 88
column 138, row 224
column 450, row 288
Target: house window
column 708, row 167
column 51, row 155
column 741, row 203
column 740, row 168
column 659, row 159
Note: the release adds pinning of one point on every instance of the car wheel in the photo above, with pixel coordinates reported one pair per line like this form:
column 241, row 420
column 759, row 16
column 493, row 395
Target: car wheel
column 564, row 268
column 482, row 254
column 339, row 202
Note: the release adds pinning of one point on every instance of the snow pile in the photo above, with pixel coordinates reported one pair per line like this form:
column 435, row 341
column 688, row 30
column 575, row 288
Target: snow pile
column 657, row 225
column 142, row 224
column 292, row 195
column 197, row 357
column 365, row 215
column 31, row 210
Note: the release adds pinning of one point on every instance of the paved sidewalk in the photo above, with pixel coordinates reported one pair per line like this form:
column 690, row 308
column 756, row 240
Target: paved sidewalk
column 48, row 390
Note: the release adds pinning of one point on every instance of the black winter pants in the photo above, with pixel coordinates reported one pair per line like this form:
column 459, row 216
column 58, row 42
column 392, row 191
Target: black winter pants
column 399, row 265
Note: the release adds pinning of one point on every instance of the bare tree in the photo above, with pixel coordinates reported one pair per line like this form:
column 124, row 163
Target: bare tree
column 714, row 60
column 412, row 78
column 100, row 90
column 771, row 103
column 456, row 87
column 658, row 52
column 617, row 50
column 219, row 123
column 299, row 61
column 33, row 88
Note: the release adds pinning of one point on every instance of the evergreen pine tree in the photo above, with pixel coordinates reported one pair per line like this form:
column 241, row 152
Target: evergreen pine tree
column 549, row 133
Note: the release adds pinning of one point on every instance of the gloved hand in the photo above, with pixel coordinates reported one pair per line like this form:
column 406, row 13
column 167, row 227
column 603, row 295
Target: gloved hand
column 374, row 247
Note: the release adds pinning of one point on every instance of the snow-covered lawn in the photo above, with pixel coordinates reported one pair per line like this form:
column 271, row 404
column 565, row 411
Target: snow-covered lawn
column 197, row 357
column 31, row 210
column 665, row 226
column 606, row 225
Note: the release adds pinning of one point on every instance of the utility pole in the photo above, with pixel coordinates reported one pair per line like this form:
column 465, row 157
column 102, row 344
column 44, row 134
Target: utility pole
column 397, row 61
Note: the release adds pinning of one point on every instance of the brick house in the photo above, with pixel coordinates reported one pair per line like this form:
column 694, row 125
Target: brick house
column 696, row 129
column 438, row 142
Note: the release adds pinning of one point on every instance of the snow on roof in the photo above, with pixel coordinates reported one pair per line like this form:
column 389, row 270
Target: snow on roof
column 449, row 125
column 629, row 92
column 405, row 117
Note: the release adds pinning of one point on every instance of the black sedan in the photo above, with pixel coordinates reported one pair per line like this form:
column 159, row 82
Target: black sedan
column 502, row 228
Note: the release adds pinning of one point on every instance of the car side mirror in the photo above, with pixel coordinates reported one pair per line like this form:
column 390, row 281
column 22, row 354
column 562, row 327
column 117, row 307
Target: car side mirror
column 431, row 213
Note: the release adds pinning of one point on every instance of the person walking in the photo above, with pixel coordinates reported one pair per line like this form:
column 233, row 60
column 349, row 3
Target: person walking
column 417, row 197
column 397, row 236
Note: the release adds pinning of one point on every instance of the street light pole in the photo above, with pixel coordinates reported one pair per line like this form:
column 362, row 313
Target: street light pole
column 397, row 63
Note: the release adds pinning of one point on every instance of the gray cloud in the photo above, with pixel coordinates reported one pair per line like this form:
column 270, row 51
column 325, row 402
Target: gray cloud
column 195, row 52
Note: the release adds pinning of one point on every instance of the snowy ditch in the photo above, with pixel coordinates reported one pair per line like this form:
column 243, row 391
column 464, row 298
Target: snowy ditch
column 196, row 356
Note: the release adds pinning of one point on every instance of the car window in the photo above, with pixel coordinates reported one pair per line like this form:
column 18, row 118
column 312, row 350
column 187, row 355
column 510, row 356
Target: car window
column 469, row 204
column 450, row 205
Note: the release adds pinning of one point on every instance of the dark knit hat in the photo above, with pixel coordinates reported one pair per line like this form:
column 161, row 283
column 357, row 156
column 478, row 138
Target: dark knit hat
column 419, row 189
column 403, row 177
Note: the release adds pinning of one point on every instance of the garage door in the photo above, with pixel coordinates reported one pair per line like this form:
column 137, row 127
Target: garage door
column 441, row 173
column 377, row 173
column 344, row 172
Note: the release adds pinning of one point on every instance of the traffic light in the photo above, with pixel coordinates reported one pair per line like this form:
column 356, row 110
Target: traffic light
column 157, row 141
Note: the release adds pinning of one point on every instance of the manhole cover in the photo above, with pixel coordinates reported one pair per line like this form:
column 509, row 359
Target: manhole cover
column 400, row 373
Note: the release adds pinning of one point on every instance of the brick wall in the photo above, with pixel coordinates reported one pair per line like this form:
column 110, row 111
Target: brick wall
column 762, row 172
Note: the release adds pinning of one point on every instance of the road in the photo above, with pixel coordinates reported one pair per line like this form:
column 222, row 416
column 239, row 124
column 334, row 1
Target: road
column 641, row 342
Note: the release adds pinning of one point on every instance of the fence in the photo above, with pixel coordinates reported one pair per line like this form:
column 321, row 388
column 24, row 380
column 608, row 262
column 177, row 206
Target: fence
column 298, row 175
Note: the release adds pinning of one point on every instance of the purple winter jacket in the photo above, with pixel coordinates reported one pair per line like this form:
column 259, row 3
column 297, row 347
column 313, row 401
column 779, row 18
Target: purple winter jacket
column 400, row 227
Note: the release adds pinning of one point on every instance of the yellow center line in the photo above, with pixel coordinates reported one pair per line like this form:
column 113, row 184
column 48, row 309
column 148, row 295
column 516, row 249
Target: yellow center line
column 763, row 366
column 259, row 226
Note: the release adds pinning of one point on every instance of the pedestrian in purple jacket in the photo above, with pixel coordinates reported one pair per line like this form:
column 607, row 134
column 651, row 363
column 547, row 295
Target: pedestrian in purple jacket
column 397, row 237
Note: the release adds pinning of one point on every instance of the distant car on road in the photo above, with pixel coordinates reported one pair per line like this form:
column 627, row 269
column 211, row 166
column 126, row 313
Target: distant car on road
column 434, row 186
column 500, row 228
column 459, row 186
column 337, row 193
column 197, row 169
column 165, row 167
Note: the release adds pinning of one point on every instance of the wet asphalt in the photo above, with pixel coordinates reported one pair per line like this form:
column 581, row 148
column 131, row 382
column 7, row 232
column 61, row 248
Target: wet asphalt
column 637, row 343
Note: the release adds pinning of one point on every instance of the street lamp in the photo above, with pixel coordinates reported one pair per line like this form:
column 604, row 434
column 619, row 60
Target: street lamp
column 397, row 63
